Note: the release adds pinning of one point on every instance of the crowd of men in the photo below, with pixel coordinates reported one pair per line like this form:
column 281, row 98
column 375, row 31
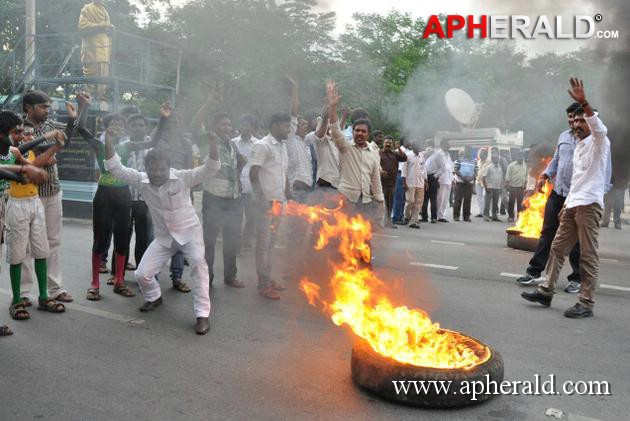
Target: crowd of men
column 146, row 180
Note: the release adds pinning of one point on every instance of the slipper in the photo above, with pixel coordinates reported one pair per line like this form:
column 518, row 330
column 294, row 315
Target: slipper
column 50, row 306
column 93, row 294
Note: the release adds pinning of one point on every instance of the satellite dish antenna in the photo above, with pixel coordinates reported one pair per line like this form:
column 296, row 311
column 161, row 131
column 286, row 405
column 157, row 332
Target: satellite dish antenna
column 462, row 107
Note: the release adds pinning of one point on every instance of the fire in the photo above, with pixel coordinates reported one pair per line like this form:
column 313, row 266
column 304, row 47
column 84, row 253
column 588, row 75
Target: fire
column 530, row 220
column 361, row 301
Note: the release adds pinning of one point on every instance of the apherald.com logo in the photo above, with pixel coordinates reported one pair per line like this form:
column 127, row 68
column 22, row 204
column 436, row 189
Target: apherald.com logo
column 517, row 26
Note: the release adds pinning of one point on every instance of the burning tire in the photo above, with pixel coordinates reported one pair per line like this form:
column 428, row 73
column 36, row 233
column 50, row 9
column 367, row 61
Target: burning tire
column 516, row 241
column 377, row 374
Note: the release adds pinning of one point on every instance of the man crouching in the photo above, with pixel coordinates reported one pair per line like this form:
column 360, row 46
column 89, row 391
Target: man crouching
column 166, row 192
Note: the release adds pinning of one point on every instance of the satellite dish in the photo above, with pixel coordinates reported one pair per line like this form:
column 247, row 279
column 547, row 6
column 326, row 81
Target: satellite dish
column 460, row 105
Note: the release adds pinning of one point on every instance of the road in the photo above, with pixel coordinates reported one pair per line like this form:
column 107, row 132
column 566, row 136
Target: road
column 286, row 360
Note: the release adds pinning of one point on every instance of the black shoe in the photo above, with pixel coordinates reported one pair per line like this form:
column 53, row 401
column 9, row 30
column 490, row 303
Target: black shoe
column 479, row 216
column 434, row 221
column 617, row 226
column 578, row 311
column 404, row 222
column 572, row 287
column 414, row 225
column 424, row 220
column 456, row 218
column 496, row 219
column 151, row 305
column 442, row 220
column 467, row 220
column 529, row 279
column 202, row 326
column 536, row 297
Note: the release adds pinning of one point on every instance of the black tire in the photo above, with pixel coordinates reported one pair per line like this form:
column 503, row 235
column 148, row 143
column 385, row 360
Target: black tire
column 522, row 243
column 376, row 374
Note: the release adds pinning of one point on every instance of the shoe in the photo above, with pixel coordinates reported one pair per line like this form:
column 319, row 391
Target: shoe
column 103, row 268
column 479, row 216
column 456, row 219
column 202, row 326
column 578, row 311
column 414, row 225
column 151, row 305
column 442, row 220
column 270, row 293
column 278, row 286
column 604, row 225
column 572, row 287
column 617, row 226
column 467, row 220
column 510, row 219
column 496, row 219
column 424, row 220
column 180, row 286
column 235, row 283
column 503, row 213
column 536, row 297
column 528, row 279
column 129, row 266
column 434, row 221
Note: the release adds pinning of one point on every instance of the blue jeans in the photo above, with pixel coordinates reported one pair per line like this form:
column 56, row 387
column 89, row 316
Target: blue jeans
column 399, row 200
column 177, row 266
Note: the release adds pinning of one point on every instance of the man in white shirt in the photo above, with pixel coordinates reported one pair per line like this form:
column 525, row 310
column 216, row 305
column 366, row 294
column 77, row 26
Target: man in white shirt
column 414, row 176
column 582, row 211
column 431, row 159
column 360, row 167
column 245, row 143
column 166, row 192
column 444, row 175
column 269, row 178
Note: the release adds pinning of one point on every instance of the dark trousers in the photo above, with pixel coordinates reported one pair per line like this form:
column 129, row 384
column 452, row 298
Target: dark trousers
column 430, row 194
column 550, row 226
column 516, row 194
column 222, row 214
column 463, row 196
column 492, row 199
column 111, row 213
column 141, row 222
column 399, row 200
column 388, row 193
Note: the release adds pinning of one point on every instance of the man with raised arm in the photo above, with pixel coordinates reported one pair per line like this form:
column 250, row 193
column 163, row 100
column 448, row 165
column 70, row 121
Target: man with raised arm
column 582, row 210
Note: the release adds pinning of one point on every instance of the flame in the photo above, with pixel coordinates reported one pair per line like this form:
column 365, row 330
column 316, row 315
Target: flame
column 360, row 299
column 530, row 220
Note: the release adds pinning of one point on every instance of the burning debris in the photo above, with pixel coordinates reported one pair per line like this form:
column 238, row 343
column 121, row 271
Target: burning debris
column 394, row 336
column 525, row 234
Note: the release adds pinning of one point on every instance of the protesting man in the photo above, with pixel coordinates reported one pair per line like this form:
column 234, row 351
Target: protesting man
column 465, row 174
column 492, row 181
column 582, row 211
column 414, row 175
column 515, row 182
column 431, row 164
column 444, row 175
column 390, row 160
column 245, row 143
column 166, row 192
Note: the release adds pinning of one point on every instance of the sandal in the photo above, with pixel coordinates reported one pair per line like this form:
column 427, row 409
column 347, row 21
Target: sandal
column 124, row 291
column 111, row 280
column 51, row 306
column 18, row 312
column 5, row 331
column 181, row 286
column 93, row 294
column 26, row 301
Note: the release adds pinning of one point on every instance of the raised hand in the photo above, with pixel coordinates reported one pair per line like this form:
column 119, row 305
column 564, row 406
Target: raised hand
column 332, row 93
column 166, row 110
column 577, row 90
column 71, row 109
column 84, row 98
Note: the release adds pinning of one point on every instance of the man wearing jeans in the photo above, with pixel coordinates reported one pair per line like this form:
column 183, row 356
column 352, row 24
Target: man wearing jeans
column 268, row 175
column 582, row 211
column 414, row 183
column 492, row 181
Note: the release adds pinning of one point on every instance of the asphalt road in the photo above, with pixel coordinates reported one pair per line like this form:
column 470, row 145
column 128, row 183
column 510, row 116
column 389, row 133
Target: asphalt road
column 286, row 360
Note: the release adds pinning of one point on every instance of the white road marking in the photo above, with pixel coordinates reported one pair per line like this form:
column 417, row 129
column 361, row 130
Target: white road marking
column 384, row 235
column 601, row 259
column 615, row 287
column 450, row 243
column 431, row 265
column 93, row 311
column 510, row 275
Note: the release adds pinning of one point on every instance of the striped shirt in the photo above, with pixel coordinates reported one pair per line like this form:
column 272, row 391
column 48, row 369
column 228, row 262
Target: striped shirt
column 50, row 187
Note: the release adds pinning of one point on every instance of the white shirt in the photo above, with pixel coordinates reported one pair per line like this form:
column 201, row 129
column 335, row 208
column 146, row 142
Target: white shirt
column 431, row 161
column 360, row 170
column 300, row 162
column 245, row 148
column 327, row 158
column 589, row 180
column 271, row 156
column 173, row 215
column 444, row 164
column 414, row 171
column 407, row 152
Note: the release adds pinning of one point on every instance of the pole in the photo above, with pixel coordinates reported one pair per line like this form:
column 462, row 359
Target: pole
column 29, row 50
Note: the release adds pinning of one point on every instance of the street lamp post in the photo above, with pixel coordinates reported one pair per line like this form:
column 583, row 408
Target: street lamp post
column 29, row 51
